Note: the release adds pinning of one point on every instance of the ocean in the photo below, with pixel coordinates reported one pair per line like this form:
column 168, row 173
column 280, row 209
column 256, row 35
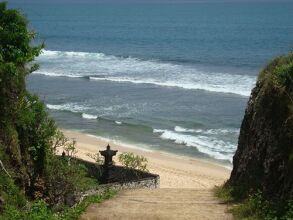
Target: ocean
column 173, row 77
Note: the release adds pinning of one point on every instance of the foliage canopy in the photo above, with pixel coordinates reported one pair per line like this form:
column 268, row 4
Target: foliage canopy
column 29, row 138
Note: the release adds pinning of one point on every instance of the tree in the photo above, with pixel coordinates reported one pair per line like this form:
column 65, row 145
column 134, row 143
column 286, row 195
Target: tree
column 16, row 52
column 26, row 131
column 29, row 138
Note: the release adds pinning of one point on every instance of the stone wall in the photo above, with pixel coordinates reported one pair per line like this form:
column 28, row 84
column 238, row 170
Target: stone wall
column 121, row 175
column 151, row 183
column 126, row 179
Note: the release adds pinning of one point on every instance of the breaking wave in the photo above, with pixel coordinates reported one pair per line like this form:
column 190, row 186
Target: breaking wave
column 209, row 145
column 208, row 131
column 99, row 66
column 88, row 116
column 75, row 108
column 72, row 107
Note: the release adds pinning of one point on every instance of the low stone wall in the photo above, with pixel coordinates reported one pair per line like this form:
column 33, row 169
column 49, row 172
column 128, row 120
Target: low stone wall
column 151, row 183
column 124, row 179
column 120, row 174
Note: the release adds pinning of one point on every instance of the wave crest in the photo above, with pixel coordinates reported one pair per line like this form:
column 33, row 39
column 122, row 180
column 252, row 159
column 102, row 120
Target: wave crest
column 211, row 146
column 88, row 116
column 99, row 66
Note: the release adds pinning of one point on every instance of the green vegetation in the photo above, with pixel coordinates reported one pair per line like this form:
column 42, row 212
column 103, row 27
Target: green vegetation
column 74, row 213
column 34, row 182
column 279, row 75
column 132, row 161
column 260, row 186
column 39, row 210
column 284, row 75
column 224, row 194
column 99, row 160
column 255, row 206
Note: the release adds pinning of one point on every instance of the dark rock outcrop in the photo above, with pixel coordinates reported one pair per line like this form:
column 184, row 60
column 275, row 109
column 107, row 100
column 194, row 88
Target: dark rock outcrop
column 264, row 157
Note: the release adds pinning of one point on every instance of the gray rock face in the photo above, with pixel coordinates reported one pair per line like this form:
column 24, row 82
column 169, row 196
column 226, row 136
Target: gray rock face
column 264, row 157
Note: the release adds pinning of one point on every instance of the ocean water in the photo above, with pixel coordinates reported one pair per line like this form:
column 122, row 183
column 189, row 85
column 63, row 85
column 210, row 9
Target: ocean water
column 169, row 77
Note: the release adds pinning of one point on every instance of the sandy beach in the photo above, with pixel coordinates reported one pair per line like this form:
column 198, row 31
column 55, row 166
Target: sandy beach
column 174, row 171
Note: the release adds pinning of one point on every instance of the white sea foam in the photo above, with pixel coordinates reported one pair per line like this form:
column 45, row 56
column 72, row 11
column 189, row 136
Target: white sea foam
column 98, row 66
column 73, row 107
column 211, row 146
column 88, row 116
column 208, row 131
column 54, row 107
column 53, row 54
column 185, row 84
column 181, row 129
column 58, row 74
column 221, row 131
column 158, row 130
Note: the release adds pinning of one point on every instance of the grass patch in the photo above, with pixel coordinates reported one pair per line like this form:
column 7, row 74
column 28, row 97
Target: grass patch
column 74, row 213
column 39, row 210
column 224, row 194
column 255, row 207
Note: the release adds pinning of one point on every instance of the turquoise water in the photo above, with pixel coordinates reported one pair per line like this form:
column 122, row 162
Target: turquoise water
column 169, row 77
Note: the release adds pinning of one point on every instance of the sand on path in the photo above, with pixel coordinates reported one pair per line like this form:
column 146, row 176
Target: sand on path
column 185, row 187
column 163, row 204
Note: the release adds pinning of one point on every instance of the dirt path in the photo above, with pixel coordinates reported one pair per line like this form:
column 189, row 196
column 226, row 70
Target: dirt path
column 159, row 204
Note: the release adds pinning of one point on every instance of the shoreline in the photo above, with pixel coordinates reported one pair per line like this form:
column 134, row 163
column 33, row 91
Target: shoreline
column 175, row 171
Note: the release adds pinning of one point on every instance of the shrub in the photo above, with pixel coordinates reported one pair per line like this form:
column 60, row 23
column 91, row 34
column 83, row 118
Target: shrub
column 132, row 161
column 39, row 210
column 284, row 75
column 289, row 212
column 70, row 148
column 74, row 213
column 255, row 206
column 35, row 131
column 63, row 178
column 99, row 160
column 224, row 193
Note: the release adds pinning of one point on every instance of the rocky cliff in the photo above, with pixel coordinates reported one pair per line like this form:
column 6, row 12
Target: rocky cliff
column 264, row 157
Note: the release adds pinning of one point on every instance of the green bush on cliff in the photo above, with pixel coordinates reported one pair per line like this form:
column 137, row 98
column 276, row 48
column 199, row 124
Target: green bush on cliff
column 280, row 73
column 32, row 178
column 284, row 75
column 26, row 131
